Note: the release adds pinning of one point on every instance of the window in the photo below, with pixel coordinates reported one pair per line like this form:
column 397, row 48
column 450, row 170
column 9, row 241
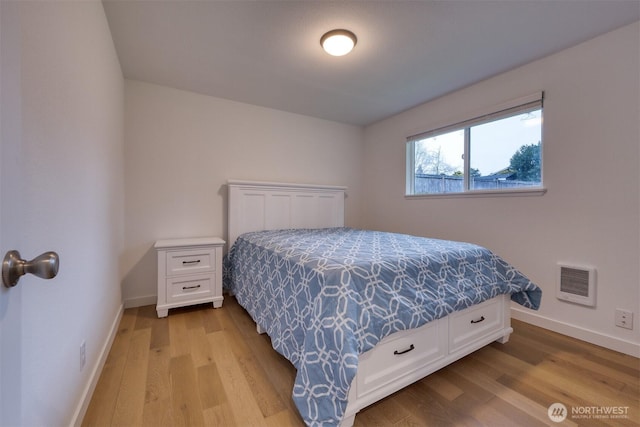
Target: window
column 500, row 151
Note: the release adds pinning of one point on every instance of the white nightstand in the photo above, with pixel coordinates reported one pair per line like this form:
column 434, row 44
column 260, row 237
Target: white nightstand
column 189, row 272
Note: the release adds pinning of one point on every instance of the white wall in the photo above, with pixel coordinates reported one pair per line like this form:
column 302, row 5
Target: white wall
column 590, row 212
column 72, row 126
column 182, row 147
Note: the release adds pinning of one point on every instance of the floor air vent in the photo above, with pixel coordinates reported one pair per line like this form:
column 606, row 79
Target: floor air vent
column 577, row 284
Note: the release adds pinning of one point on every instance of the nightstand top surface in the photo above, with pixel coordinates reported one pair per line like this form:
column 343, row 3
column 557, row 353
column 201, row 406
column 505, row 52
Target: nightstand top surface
column 193, row 241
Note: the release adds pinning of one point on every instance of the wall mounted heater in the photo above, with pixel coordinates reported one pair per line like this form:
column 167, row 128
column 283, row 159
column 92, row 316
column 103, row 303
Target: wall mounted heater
column 577, row 284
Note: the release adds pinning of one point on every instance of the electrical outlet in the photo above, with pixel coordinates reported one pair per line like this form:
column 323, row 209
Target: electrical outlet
column 624, row 318
column 83, row 354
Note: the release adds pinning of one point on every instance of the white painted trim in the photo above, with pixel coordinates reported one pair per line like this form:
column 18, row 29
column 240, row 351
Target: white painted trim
column 140, row 301
column 283, row 185
column 90, row 387
column 593, row 337
column 535, row 191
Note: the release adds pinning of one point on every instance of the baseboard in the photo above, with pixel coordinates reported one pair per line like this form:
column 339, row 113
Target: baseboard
column 140, row 301
column 593, row 337
column 85, row 399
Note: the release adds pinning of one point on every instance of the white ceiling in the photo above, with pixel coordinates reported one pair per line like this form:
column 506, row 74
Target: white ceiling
column 268, row 53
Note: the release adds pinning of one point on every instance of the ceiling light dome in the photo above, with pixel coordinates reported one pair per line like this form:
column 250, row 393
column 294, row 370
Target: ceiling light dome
column 338, row 42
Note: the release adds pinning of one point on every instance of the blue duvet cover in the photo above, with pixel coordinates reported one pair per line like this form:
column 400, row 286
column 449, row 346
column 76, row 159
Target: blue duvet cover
column 325, row 296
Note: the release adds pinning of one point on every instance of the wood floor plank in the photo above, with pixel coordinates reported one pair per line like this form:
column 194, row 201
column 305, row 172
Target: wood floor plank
column 103, row 402
column 627, row 383
column 386, row 412
column 210, row 321
column 278, row 371
column 536, row 410
column 373, row 417
column 263, row 391
column 130, row 404
column 199, row 346
column 515, row 375
column 603, row 375
column 462, row 408
column 187, row 409
column 220, row 415
column 594, row 374
column 588, row 388
column 193, row 315
column 507, row 362
column 158, row 413
column 210, row 386
column 573, row 345
column 412, row 422
column 437, row 383
column 430, row 409
column 286, row 418
column 101, row 408
column 243, row 323
column 160, row 333
column 471, row 388
column 503, row 413
column 544, row 393
column 178, row 335
column 158, row 387
column 145, row 317
column 531, row 355
column 487, row 414
column 243, row 406
column 120, row 346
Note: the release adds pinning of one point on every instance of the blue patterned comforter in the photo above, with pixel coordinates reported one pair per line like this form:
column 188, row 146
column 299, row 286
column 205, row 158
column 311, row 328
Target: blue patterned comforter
column 326, row 296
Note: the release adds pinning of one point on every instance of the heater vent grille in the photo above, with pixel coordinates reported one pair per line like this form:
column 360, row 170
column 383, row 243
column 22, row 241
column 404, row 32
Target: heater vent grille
column 574, row 281
column 577, row 284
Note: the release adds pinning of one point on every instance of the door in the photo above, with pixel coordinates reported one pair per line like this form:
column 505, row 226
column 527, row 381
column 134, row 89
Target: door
column 10, row 212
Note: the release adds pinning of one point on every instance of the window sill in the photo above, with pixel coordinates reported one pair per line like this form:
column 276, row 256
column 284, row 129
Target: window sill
column 538, row 191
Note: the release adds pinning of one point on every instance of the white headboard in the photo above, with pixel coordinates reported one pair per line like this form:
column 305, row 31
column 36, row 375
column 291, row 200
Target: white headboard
column 255, row 206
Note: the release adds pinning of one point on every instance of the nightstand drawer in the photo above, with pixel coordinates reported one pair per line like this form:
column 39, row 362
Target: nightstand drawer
column 190, row 261
column 189, row 287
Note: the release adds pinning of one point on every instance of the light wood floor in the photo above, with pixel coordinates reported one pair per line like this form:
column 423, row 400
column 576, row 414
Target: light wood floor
column 201, row 366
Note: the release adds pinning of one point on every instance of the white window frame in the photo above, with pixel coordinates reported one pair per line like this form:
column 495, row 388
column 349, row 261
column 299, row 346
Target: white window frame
column 497, row 112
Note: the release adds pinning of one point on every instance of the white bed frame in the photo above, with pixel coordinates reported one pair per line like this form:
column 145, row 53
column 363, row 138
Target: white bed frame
column 400, row 359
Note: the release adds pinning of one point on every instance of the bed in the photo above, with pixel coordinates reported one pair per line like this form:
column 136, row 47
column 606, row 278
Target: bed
column 359, row 313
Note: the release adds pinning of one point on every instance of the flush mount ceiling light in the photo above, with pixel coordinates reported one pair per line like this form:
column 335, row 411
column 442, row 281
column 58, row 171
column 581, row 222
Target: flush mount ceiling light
column 338, row 42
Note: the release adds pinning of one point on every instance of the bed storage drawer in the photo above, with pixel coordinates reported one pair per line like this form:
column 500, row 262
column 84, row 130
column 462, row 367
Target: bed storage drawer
column 401, row 355
column 475, row 323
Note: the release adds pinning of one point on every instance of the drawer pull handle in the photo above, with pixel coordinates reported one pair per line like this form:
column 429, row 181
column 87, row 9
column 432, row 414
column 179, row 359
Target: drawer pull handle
column 481, row 319
column 185, row 288
column 398, row 353
column 191, row 262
